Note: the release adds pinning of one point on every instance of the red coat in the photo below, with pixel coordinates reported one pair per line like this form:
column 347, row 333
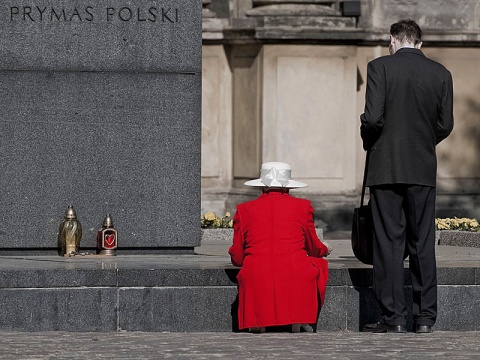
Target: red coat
column 279, row 251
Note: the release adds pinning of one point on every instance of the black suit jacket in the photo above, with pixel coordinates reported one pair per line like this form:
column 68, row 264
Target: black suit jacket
column 408, row 111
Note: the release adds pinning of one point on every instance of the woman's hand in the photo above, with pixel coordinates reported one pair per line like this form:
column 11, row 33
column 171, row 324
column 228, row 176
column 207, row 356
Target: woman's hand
column 330, row 249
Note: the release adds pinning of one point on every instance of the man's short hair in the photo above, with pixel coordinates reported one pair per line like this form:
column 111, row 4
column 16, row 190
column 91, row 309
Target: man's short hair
column 406, row 30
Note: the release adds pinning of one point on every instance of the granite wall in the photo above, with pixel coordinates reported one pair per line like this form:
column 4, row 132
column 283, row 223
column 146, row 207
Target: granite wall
column 101, row 109
column 182, row 299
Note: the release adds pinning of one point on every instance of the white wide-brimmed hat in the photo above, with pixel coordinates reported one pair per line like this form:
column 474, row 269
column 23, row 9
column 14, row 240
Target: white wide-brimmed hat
column 275, row 174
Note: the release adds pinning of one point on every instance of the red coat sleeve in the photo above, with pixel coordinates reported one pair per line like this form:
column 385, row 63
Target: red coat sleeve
column 313, row 245
column 237, row 250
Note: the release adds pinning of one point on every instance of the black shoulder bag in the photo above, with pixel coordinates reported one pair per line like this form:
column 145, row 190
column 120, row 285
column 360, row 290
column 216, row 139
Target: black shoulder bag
column 362, row 227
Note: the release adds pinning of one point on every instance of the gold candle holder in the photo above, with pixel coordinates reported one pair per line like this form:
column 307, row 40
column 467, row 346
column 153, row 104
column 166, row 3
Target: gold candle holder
column 69, row 233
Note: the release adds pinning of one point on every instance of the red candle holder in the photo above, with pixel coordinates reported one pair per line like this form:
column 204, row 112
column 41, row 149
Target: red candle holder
column 107, row 238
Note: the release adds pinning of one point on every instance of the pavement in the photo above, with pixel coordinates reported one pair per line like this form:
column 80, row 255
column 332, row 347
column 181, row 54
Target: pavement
column 227, row 345
column 337, row 345
column 342, row 254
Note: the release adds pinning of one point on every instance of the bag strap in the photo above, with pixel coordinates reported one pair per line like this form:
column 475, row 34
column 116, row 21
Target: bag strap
column 365, row 178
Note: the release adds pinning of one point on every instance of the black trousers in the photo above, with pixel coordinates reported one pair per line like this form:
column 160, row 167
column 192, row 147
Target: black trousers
column 404, row 219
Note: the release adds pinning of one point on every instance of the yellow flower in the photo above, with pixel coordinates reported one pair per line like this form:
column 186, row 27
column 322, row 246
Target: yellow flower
column 211, row 220
column 462, row 224
column 210, row 216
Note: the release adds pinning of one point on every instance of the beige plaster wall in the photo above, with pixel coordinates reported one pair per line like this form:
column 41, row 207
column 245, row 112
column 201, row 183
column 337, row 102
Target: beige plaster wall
column 247, row 104
column 309, row 113
column 301, row 104
column 216, row 118
column 459, row 154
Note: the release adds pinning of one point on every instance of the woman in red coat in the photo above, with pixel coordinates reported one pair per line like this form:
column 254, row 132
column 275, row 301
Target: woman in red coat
column 283, row 277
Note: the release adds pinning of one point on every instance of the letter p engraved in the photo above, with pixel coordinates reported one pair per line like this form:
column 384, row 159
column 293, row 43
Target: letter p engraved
column 13, row 12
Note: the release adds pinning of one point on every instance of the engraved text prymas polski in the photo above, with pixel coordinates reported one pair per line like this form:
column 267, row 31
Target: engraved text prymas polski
column 90, row 13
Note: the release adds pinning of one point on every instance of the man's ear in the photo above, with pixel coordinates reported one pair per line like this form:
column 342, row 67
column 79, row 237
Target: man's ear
column 391, row 45
column 419, row 45
column 392, row 40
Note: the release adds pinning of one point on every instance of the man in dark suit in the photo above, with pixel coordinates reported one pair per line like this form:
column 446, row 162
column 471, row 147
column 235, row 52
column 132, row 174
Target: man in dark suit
column 408, row 111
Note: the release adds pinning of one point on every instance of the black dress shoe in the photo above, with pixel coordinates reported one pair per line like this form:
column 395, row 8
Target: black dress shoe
column 382, row 328
column 423, row 329
column 296, row 328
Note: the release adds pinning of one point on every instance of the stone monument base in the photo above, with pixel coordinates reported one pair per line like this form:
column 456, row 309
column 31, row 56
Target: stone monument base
column 191, row 293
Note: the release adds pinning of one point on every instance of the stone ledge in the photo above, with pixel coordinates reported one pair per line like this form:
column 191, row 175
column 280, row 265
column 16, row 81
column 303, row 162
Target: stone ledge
column 171, row 276
column 191, row 294
column 458, row 238
column 201, row 308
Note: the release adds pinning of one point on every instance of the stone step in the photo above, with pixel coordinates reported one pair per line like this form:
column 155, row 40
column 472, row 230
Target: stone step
column 192, row 293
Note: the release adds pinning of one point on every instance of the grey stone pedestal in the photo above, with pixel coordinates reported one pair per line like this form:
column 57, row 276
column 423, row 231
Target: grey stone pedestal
column 101, row 109
column 194, row 293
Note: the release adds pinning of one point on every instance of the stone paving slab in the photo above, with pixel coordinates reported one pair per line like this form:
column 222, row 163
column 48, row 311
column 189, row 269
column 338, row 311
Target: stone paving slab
column 323, row 345
column 342, row 255
column 214, row 255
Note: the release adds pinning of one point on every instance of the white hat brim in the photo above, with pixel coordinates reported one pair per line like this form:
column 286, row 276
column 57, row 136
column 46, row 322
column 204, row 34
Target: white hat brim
column 291, row 184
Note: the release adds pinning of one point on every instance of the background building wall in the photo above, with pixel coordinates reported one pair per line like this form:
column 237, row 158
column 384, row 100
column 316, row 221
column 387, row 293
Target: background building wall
column 293, row 88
